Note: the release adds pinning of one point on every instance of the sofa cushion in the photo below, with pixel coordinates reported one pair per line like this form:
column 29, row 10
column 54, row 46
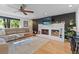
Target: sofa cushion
column 16, row 30
column 8, row 37
column 19, row 35
column 2, row 41
column 13, row 36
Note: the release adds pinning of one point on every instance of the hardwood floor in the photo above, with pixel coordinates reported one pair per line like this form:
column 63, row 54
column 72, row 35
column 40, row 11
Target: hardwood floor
column 67, row 48
column 54, row 47
column 3, row 48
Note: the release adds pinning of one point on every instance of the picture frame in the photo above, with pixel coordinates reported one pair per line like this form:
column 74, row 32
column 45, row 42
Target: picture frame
column 25, row 23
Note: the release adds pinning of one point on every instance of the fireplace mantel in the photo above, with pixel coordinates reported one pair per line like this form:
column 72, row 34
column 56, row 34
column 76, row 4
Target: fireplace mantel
column 52, row 31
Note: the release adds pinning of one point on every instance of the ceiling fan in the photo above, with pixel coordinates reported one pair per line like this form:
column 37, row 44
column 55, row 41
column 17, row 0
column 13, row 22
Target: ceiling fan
column 24, row 11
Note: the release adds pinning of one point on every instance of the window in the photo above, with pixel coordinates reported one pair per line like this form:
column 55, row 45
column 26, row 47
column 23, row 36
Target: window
column 1, row 23
column 14, row 23
column 6, row 22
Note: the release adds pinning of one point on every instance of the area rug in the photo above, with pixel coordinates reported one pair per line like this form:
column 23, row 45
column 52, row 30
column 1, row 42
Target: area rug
column 29, row 48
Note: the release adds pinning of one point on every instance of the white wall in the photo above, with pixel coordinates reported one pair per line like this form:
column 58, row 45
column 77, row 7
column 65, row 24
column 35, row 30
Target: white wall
column 77, row 21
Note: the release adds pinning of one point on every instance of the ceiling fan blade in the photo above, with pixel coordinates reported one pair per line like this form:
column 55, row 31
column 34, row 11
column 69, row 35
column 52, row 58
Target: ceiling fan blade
column 28, row 11
column 24, row 13
column 22, row 9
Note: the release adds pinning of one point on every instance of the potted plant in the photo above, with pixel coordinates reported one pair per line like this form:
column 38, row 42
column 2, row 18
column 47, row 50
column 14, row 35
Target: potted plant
column 69, row 33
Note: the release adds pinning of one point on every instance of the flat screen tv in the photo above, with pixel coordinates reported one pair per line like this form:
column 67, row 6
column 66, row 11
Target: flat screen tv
column 45, row 21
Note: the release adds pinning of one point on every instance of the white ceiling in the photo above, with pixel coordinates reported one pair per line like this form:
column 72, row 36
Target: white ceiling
column 40, row 10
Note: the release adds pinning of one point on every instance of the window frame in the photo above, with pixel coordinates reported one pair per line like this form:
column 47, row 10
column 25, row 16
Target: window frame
column 7, row 21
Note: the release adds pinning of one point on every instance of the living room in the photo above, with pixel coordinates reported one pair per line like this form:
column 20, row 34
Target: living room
column 38, row 28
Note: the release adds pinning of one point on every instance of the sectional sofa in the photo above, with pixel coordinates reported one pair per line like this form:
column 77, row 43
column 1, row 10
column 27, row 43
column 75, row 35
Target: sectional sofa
column 14, row 33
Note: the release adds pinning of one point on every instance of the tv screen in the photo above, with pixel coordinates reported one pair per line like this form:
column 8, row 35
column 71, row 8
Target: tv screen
column 47, row 21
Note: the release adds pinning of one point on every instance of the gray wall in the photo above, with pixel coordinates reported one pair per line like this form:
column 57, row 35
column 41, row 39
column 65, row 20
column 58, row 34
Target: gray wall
column 64, row 17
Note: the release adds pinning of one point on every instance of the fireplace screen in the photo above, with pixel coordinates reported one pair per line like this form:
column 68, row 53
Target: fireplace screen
column 54, row 32
column 45, row 31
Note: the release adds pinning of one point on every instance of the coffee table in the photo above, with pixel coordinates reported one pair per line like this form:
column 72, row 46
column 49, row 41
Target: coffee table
column 20, row 43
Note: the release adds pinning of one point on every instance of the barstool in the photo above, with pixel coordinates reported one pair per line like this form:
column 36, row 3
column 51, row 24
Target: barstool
column 76, row 38
column 73, row 45
column 77, row 48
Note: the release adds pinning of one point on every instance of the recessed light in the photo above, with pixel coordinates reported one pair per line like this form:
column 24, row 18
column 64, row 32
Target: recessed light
column 70, row 6
column 45, row 13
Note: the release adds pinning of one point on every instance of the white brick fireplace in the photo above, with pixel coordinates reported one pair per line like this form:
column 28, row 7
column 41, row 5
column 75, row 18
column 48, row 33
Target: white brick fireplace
column 52, row 31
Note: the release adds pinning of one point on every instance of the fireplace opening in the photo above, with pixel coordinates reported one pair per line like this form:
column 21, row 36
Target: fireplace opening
column 45, row 31
column 54, row 32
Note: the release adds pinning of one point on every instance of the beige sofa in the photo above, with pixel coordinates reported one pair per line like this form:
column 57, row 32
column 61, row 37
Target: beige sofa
column 13, row 34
